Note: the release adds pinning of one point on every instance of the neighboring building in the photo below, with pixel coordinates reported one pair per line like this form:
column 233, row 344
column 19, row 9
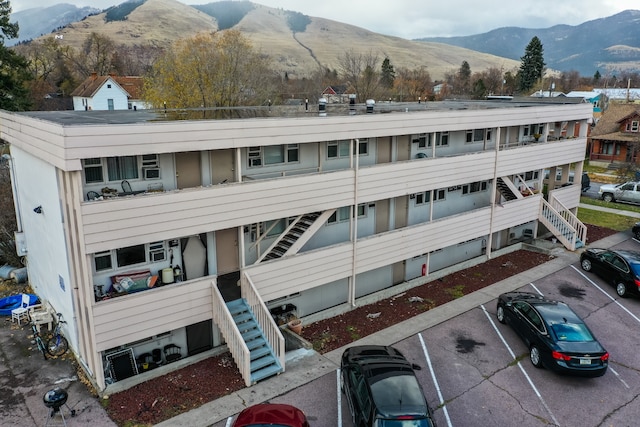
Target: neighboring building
column 616, row 136
column 597, row 99
column 546, row 94
column 109, row 93
column 620, row 94
column 337, row 94
column 301, row 215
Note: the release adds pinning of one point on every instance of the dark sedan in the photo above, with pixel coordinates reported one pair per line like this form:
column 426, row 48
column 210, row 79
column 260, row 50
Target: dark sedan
column 619, row 268
column 271, row 414
column 556, row 336
column 382, row 389
column 636, row 230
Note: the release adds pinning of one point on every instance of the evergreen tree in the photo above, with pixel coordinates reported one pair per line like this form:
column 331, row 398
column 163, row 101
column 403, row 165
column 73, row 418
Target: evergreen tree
column 597, row 77
column 464, row 78
column 13, row 67
column 531, row 66
column 388, row 74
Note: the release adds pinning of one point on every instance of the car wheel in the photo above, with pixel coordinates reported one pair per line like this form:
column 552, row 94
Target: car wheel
column 621, row 290
column 637, row 234
column 500, row 313
column 534, row 355
column 586, row 265
column 607, row 197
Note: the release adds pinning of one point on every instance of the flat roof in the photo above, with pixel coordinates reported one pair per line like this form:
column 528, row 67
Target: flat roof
column 74, row 118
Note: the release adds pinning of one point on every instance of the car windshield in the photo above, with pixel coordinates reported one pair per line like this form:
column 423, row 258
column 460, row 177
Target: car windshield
column 572, row 332
column 421, row 422
column 393, row 389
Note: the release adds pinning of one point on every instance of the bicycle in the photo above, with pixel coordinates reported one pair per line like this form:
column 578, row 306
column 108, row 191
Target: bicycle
column 57, row 345
column 38, row 340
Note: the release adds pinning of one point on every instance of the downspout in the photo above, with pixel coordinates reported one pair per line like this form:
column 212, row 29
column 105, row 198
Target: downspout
column 14, row 188
column 493, row 193
column 354, row 221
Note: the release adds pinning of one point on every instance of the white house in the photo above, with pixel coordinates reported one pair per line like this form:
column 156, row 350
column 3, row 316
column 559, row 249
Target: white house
column 151, row 232
column 110, row 92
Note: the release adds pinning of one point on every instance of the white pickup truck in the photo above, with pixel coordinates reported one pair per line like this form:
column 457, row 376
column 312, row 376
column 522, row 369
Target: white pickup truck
column 628, row 192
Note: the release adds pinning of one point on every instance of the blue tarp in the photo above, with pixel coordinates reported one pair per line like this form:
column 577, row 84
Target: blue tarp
column 9, row 303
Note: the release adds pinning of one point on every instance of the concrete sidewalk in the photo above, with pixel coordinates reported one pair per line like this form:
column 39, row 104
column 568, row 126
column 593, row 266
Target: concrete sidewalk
column 613, row 210
column 304, row 366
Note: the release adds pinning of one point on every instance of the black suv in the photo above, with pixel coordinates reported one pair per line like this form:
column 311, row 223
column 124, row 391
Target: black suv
column 382, row 389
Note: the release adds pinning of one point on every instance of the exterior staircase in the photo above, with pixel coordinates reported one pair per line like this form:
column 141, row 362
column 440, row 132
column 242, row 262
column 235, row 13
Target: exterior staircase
column 564, row 225
column 507, row 189
column 296, row 235
column 264, row 362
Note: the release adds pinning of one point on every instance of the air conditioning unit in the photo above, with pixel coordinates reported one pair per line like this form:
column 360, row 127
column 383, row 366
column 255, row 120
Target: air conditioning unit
column 151, row 173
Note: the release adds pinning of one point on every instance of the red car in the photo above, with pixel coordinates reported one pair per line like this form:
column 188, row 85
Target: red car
column 271, row 414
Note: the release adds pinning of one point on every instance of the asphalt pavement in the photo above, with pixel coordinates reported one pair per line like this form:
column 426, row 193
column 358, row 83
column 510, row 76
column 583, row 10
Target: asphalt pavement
column 304, row 366
column 25, row 377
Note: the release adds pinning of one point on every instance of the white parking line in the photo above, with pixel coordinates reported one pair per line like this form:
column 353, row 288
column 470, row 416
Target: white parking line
column 608, row 296
column 537, row 290
column 495, row 328
column 435, row 381
column 339, row 399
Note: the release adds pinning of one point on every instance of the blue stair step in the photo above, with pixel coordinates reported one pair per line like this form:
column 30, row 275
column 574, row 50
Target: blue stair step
column 260, row 352
column 262, row 362
column 256, row 343
column 265, row 373
column 251, row 334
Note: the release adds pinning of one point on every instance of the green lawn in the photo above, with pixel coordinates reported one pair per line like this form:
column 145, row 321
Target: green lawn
column 604, row 219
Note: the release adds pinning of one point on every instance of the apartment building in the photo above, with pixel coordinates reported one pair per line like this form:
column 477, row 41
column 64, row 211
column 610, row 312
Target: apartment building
column 162, row 237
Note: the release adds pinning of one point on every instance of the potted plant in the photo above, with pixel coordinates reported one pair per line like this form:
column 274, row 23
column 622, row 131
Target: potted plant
column 295, row 324
column 536, row 136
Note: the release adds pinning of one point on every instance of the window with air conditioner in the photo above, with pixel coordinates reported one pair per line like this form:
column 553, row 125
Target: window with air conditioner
column 151, row 173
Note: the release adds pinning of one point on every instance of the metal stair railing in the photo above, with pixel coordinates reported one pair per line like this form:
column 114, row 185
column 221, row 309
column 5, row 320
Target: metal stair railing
column 264, row 318
column 232, row 336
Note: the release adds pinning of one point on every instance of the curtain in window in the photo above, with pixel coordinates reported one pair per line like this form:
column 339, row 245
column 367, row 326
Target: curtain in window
column 120, row 168
column 273, row 155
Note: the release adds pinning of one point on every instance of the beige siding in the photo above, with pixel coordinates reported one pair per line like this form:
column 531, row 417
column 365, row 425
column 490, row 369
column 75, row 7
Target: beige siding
column 170, row 137
column 118, row 223
column 152, row 312
column 540, row 156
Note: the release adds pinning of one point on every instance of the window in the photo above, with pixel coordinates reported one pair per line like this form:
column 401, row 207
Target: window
column 532, row 175
column 119, row 168
column 92, row 170
column 130, row 255
column 278, row 227
column 343, row 214
column 442, row 139
column 255, row 156
column 157, row 252
column 634, row 126
column 338, row 149
column 273, row 155
column 420, row 139
column 474, row 187
column 533, row 129
column 102, row 261
column 422, row 198
column 363, row 146
column 475, row 135
column 439, row 194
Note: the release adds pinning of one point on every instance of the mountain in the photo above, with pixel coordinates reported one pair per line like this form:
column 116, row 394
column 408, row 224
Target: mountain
column 298, row 44
column 43, row 20
column 608, row 45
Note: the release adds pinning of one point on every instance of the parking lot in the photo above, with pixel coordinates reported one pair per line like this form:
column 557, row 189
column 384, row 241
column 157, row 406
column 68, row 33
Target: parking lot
column 476, row 371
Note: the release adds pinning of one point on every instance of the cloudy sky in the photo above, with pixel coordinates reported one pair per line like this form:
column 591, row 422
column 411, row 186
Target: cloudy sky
column 423, row 18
